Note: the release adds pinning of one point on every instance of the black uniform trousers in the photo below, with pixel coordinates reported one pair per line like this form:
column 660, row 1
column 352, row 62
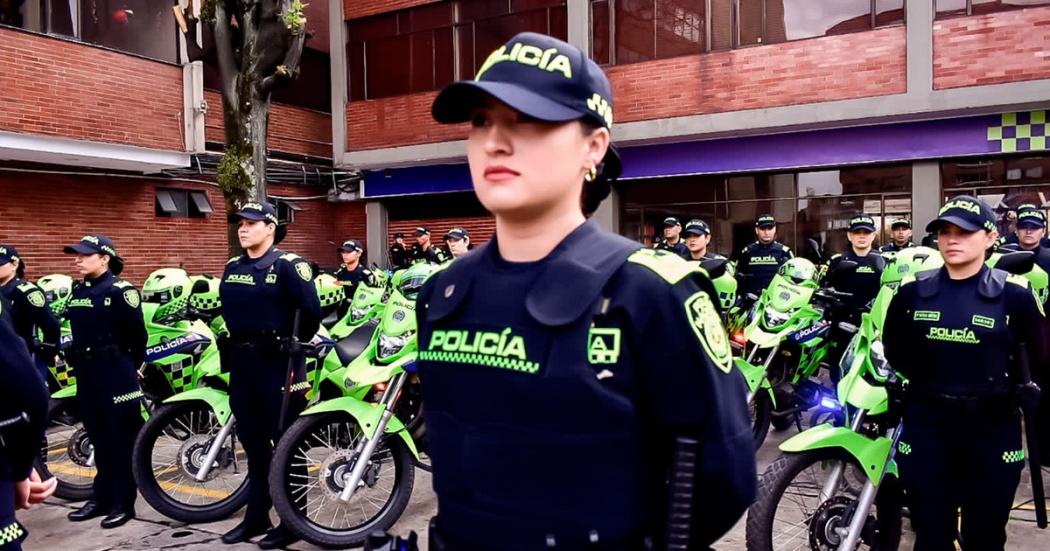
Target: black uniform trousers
column 257, row 377
column 106, row 382
column 960, row 459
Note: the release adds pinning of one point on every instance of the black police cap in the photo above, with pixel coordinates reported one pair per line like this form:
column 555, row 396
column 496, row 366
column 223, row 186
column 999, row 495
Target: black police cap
column 351, row 245
column 96, row 243
column 765, row 221
column 542, row 77
column 862, row 222
column 696, row 227
column 965, row 211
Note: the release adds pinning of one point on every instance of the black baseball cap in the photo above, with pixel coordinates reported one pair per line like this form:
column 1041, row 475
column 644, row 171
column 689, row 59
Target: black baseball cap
column 457, row 233
column 255, row 211
column 422, row 230
column 901, row 222
column 351, row 245
column 399, row 235
column 765, row 221
column 8, row 254
column 965, row 211
column 96, row 243
column 671, row 221
column 542, row 77
column 1030, row 216
column 696, row 227
column 862, row 222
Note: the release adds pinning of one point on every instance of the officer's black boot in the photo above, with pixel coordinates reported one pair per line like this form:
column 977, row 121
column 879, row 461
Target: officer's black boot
column 245, row 531
column 278, row 538
column 117, row 518
column 87, row 511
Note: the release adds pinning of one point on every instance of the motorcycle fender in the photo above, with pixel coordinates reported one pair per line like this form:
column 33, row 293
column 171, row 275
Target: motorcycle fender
column 217, row 400
column 870, row 454
column 367, row 414
column 752, row 375
column 68, row 392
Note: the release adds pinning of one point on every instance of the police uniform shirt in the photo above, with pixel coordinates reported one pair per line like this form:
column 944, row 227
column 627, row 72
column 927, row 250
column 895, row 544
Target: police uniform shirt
column 399, row 256
column 957, row 337
column 430, row 254
column 260, row 295
column 105, row 318
column 678, row 248
column 542, row 423
column 862, row 282
column 758, row 264
column 350, row 278
column 892, row 247
column 29, row 311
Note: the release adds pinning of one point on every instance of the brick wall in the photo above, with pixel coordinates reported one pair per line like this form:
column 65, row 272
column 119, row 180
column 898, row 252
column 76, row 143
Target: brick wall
column 353, row 9
column 991, row 49
column 58, row 88
column 292, row 129
column 40, row 223
column 830, row 68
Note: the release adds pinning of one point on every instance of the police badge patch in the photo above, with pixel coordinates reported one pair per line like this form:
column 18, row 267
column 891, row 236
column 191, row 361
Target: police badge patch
column 703, row 317
column 304, row 271
column 36, row 298
column 131, row 297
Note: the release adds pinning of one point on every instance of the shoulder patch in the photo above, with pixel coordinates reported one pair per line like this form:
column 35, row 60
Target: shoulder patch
column 131, row 297
column 669, row 266
column 707, row 324
column 304, row 271
column 36, row 298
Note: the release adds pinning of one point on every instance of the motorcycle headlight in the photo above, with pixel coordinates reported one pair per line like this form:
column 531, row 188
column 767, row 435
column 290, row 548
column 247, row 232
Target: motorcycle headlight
column 879, row 361
column 357, row 314
column 388, row 346
column 773, row 318
column 846, row 363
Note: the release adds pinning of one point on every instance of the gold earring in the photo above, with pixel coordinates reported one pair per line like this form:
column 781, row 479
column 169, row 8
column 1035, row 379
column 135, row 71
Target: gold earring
column 591, row 175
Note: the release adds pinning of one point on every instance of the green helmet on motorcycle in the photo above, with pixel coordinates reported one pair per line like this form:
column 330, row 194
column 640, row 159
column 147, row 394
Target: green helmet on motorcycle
column 329, row 290
column 411, row 280
column 204, row 295
column 169, row 289
column 910, row 261
column 57, row 289
column 798, row 270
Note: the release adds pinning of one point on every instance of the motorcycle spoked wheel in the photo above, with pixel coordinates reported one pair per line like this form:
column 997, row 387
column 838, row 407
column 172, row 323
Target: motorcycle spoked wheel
column 65, row 453
column 788, row 514
column 761, row 407
column 168, row 452
column 308, row 502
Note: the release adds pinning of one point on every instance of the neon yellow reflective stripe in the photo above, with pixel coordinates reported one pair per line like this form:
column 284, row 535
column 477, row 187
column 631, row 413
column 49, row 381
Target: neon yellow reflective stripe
column 669, row 266
column 479, row 359
column 12, row 533
column 127, row 397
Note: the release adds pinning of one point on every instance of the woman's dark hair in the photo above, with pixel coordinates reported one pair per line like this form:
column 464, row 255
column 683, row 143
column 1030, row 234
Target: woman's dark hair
column 593, row 192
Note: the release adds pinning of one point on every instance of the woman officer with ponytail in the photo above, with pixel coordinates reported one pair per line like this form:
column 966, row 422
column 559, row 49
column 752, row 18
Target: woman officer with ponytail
column 564, row 366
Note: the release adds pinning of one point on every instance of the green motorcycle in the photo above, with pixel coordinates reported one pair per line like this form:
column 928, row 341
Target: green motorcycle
column 345, row 468
column 786, row 344
column 834, row 486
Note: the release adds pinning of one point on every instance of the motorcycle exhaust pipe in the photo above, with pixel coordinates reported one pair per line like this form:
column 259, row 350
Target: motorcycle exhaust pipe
column 213, row 451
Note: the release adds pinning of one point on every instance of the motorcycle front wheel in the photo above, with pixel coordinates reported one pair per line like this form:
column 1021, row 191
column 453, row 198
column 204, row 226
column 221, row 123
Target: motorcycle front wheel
column 789, row 514
column 169, row 451
column 67, row 452
column 307, row 476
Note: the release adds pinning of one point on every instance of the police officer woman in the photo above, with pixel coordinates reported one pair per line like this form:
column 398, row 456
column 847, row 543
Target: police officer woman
column 954, row 334
column 458, row 241
column 262, row 292
column 697, row 237
column 563, row 366
column 109, row 346
column 21, row 394
column 29, row 309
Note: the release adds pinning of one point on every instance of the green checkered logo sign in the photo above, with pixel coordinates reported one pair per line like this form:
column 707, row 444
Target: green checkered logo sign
column 1024, row 131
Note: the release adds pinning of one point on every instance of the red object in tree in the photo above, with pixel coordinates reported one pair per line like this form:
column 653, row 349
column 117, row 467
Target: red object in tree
column 122, row 15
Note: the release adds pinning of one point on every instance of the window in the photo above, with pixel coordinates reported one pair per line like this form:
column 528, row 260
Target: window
column 1004, row 183
column 181, row 203
column 811, row 208
column 424, row 48
column 285, row 209
column 142, row 27
column 948, row 8
column 627, row 31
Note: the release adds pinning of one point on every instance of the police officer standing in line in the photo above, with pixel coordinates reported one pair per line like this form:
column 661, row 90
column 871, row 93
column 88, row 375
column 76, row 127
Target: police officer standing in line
column 758, row 262
column 424, row 250
column 623, row 343
column 400, row 255
column 1031, row 231
column 863, row 280
column 29, row 309
column 901, row 231
column 352, row 272
column 1027, row 210
column 262, row 293
column 21, row 394
column 109, row 346
column 955, row 334
column 458, row 241
column 672, row 240
column 697, row 238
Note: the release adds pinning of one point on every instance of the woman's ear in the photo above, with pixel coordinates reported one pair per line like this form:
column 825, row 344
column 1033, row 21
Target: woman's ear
column 597, row 145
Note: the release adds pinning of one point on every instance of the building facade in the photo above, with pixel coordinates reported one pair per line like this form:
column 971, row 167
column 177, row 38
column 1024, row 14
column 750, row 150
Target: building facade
column 812, row 110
